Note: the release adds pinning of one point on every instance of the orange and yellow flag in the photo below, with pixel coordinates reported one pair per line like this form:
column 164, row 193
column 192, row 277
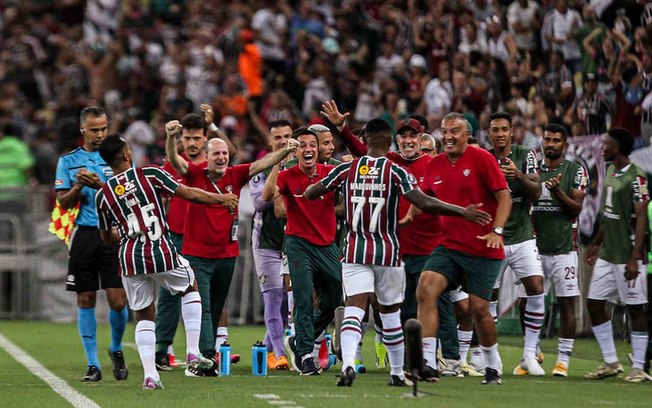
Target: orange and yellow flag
column 62, row 222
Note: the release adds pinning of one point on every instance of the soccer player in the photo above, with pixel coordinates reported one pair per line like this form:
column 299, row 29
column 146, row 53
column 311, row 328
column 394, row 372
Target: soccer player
column 619, row 273
column 211, row 232
column 313, row 255
column 267, row 243
column 91, row 262
column 168, row 307
column 372, row 187
column 519, row 165
column 132, row 200
column 553, row 216
column 469, row 254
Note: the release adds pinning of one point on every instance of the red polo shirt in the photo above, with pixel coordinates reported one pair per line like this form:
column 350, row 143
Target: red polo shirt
column 207, row 229
column 423, row 234
column 178, row 206
column 472, row 179
column 312, row 220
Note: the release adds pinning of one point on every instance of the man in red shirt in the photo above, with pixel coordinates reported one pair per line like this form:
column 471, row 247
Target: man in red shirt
column 469, row 254
column 313, row 254
column 211, row 232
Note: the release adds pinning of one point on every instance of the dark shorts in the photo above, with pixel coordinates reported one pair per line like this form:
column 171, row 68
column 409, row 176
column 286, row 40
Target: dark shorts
column 476, row 275
column 91, row 262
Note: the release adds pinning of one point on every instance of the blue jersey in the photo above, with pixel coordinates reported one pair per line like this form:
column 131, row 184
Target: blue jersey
column 67, row 168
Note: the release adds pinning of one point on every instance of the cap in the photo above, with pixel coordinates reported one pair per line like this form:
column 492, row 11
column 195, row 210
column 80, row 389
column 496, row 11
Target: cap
column 417, row 60
column 411, row 124
column 589, row 76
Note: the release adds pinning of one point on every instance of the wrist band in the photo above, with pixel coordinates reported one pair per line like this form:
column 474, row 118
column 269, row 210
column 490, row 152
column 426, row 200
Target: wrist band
column 213, row 127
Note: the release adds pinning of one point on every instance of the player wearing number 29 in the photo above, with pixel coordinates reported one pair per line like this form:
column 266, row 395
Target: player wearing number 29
column 562, row 192
column 132, row 200
column 619, row 273
column 372, row 186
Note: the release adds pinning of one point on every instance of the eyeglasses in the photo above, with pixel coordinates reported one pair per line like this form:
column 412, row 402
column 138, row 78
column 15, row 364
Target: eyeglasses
column 427, row 150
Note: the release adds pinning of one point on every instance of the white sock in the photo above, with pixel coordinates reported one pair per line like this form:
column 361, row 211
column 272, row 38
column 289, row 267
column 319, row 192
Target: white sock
column 170, row 350
column 290, row 309
column 491, row 357
column 639, row 348
column 604, row 334
column 493, row 310
column 317, row 345
column 394, row 341
column 222, row 334
column 350, row 334
column 565, row 349
column 430, row 351
column 534, row 313
column 464, row 338
column 358, row 350
column 146, row 342
column 191, row 313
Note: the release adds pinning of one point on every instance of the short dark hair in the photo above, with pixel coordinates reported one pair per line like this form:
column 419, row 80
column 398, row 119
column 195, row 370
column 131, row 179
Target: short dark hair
column 279, row 123
column 624, row 138
column 501, row 115
column 557, row 128
column 377, row 128
column 304, row 131
column 422, row 120
column 94, row 111
column 111, row 147
column 194, row 121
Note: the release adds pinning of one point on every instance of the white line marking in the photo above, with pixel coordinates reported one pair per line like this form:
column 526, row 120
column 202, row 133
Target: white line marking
column 276, row 400
column 57, row 384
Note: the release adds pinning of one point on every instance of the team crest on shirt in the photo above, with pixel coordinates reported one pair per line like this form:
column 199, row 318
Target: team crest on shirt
column 412, row 179
column 119, row 190
column 262, row 279
column 256, row 179
column 466, row 172
column 229, row 188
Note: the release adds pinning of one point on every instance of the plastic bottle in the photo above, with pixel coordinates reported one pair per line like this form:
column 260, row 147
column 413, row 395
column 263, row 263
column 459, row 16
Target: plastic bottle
column 259, row 359
column 225, row 359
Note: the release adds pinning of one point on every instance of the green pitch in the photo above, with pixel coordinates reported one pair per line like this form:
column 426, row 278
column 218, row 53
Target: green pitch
column 58, row 348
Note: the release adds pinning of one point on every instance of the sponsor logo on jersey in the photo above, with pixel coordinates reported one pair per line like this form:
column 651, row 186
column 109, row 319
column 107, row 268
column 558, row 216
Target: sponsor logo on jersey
column 367, row 172
column 119, row 190
column 58, row 182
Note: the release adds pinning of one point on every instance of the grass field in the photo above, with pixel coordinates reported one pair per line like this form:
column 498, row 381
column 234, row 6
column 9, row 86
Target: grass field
column 57, row 347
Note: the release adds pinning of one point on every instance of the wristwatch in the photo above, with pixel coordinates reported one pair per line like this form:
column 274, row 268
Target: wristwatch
column 498, row 231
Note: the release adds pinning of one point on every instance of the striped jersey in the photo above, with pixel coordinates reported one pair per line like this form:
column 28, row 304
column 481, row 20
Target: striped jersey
column 132, row 201
column 371, row 187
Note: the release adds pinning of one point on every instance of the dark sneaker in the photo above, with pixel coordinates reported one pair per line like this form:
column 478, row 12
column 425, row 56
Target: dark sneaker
column 291, row 350
column 396, row 381
column 491, row 376
column 120, row 371
column 428, row 374
column 211, row 371
column 162, row 361
column 93, row 374
column 346, row 377
column 152, row 384
column 308, row 367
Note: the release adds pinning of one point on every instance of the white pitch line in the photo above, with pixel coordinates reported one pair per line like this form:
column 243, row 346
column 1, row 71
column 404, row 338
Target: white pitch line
column 57, row 384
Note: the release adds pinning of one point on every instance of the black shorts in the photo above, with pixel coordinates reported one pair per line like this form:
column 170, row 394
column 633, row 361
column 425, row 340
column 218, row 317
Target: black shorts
column 91, row 262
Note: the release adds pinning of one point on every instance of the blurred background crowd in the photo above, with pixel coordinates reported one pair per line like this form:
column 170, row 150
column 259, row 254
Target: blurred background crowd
column 584, row 64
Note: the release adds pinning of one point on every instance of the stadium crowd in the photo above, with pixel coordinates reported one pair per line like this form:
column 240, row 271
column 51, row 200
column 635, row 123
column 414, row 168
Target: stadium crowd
column 507, row 70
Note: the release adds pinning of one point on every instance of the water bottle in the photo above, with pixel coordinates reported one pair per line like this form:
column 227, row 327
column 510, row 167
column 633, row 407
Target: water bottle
column 259, row 359
column 225, row 359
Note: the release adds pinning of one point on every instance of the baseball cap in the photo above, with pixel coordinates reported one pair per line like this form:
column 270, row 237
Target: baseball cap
column 411, row 124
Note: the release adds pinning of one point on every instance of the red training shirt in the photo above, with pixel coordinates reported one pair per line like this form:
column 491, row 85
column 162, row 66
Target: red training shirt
column 472, row 179
column 178, row 206
column 312, row 220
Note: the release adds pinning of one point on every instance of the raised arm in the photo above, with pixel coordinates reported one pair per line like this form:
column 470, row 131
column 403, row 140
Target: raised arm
column 272, row 158
column 197, row 195
column 208, row 112
column 172, row 129
column 332, row 113
column 270, row 189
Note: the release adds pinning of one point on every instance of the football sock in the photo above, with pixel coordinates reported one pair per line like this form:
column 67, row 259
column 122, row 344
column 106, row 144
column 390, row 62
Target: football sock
column 317, row 345
column 464, row 338
column 565, row 349
column 273, row 300
column 639, row 348
column 350, row 334
column 222, row 333
column 394, row 341
column 87, row 326
column 604, row 335
column 146, row 341
column 191, row 313
column 358, row 350
column 118, row 321
column 534, row 313
column 493, row 310
column 430, row 351
column 491, row 357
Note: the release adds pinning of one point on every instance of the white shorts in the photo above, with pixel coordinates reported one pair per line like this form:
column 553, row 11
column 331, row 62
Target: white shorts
column 608, row 283
column 523, row 259
column 562, row 272
column 457, row 295
column 387, row 282
column 140, row 289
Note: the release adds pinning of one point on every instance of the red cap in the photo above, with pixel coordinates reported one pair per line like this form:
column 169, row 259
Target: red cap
column 409, row 123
